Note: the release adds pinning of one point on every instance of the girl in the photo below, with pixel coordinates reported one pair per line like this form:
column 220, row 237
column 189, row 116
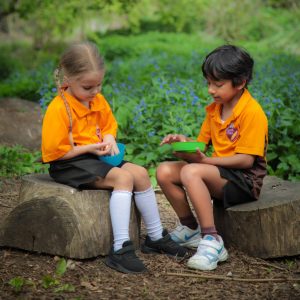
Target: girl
column 78, row 127
column 237, row 127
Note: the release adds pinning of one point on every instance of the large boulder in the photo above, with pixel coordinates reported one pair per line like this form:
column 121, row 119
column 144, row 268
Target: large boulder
column 20, row 123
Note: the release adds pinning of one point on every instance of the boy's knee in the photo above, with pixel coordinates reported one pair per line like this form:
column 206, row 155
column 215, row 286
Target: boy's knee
column 163, row 171
column 190, row 172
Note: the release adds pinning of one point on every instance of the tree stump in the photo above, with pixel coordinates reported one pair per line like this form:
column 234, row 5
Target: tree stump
column 269, row 227
column 57, row 219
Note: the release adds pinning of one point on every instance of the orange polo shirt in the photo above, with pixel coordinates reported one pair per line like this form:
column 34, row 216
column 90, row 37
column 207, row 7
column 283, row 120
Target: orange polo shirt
column 245, row 131
column 55, row 135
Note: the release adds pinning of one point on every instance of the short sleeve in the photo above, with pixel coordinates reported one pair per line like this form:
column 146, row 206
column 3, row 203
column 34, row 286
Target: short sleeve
column 55, row 138
column 205, row 131
column 253, row 133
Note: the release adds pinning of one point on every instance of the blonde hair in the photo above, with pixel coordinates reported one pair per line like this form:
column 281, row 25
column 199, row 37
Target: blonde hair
column 78, row 59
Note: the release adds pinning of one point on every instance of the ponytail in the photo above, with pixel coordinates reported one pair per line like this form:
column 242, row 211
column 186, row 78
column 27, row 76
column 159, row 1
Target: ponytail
column 60, row 89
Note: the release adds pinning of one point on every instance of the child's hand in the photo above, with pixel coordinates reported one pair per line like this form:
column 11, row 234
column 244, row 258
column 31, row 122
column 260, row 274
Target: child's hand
column 197, row 157
column 170, row 138
column 100, row 149
column 114, row 147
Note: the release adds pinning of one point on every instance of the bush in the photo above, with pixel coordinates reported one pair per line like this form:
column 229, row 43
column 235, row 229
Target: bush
column 155, row 86
column 26, row 84
column 7, row 66
column 17, row 161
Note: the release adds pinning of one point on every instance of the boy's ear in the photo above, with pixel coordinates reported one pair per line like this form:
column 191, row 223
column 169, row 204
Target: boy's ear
column 242, row 85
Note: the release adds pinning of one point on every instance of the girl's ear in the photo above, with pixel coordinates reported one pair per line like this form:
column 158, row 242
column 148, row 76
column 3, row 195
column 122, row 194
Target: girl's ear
column 65, row 83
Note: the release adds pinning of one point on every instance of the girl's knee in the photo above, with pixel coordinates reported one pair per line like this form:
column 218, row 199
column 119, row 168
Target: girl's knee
column 141, row 172
column 141, row 179
column 123, row 178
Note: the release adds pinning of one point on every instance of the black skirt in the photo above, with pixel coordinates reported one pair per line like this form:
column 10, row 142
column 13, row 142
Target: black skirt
column 79, row 170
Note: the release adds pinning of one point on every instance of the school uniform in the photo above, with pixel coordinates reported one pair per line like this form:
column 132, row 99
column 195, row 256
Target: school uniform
column 89, row 126
column 245, row 132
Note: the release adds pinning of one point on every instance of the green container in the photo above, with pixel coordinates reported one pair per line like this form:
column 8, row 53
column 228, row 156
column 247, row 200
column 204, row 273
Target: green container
column 188, row 146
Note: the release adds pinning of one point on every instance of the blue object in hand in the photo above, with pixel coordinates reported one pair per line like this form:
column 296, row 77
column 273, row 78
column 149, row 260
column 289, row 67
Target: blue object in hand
column 114, row 160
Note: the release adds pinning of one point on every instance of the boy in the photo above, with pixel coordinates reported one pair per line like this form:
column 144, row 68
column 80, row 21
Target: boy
column 237, row 128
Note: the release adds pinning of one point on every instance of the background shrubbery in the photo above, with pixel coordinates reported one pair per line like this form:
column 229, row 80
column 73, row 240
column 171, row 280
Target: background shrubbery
column 154, row 82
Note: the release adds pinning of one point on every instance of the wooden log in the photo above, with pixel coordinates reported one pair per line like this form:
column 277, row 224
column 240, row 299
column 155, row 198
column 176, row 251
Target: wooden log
column 269, row 227
column 57, row 219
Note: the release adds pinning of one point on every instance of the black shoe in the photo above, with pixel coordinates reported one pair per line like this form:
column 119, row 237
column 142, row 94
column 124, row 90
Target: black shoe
column 125, row 260
column 164, row 245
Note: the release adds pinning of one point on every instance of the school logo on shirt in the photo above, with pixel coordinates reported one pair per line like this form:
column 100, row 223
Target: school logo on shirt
column 232, row 132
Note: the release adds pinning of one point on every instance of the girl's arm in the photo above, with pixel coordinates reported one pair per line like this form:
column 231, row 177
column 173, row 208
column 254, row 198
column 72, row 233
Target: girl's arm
column 97, row 149
column 237, row 161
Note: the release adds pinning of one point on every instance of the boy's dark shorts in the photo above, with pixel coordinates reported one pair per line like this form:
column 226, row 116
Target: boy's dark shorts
column 80, row 170
column 237, row 190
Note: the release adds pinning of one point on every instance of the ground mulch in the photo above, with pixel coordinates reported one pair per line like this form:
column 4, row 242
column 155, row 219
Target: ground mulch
column 241, row 277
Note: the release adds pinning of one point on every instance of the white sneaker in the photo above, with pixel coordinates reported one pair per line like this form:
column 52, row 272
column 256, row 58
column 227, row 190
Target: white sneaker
column 209, row 253
column 186, row 237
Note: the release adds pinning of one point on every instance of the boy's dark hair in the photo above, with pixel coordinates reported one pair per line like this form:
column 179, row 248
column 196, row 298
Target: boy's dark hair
column 228, row 62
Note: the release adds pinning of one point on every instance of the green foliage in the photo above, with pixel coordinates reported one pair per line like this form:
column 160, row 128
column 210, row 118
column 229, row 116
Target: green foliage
column 253, row 20
column 54, row 282
column 28, row 84
column 155, row 86
column 61, row 267
column 57, row 18
column 289, row 4
column 166, row 93
column 18, row 283
column 166, row 15
column 17, row 161
column 47, row 282
column 276, row 85
column 6, row 65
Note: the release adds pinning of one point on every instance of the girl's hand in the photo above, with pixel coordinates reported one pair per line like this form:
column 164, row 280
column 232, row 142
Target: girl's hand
column 100, row 148
column 170, row 138
column 197, row 157
column 111, row 140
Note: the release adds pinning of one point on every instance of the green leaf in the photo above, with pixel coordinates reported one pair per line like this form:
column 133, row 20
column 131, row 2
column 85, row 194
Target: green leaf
column 49, row 281
column 61, row 267
column 17, row 283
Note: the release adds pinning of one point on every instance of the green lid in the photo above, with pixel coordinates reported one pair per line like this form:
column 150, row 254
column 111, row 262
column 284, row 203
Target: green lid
column 188, row 146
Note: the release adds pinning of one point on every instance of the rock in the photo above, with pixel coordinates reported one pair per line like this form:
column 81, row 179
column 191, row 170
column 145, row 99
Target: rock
column 20, row 123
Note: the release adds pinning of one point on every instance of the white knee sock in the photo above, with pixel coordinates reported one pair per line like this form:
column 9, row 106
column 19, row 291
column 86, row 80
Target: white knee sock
column 147, row 206
column 119, row 206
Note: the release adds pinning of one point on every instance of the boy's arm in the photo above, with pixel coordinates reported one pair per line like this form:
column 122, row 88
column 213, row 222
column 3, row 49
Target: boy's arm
column 237, row 161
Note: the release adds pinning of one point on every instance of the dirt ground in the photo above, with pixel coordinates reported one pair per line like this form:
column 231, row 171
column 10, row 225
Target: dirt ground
column 241, row 277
